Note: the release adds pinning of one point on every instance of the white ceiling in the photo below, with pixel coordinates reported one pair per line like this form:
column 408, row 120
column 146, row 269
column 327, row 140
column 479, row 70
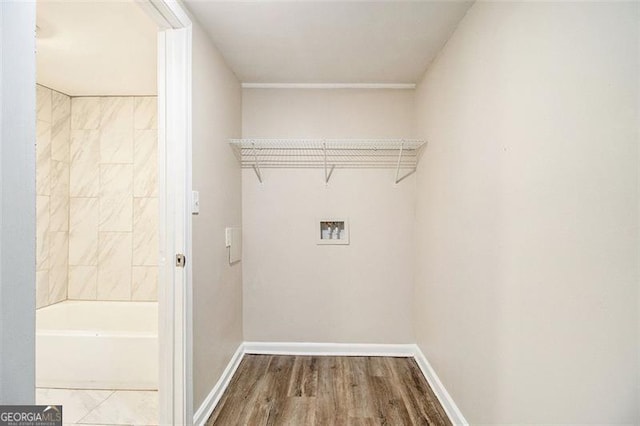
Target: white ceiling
column 93, row 47
column 108, row 47
column 329, row 41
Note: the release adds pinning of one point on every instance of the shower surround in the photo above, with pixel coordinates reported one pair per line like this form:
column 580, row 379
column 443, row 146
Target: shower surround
column 52, row 195
column 97, row 225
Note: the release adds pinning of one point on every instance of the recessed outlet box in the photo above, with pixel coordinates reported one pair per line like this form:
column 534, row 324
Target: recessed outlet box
column 332, row 231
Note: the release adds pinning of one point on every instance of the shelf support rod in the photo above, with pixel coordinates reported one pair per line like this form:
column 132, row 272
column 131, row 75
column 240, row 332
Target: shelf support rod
column 407, row 175
column 399, row 161
column 256, row 167
column 327, row 176
column 324, row 151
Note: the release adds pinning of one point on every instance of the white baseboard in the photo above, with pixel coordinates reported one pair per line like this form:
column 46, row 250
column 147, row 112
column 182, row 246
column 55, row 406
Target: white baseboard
column 450, row 407
column 329, row 349
column 332, row 349
column 209, row 404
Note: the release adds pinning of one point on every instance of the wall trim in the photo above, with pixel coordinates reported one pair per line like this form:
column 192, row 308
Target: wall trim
column 209, row 404
column 334, row 349
column 329, row 349
column 449, row 405
column 396, row 86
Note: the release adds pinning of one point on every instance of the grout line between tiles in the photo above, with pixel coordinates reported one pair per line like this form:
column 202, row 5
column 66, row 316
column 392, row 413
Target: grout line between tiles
column 105, row 400
column 90, row 411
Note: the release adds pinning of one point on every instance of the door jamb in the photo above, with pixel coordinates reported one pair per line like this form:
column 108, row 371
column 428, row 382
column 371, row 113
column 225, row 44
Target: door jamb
column 174, row 180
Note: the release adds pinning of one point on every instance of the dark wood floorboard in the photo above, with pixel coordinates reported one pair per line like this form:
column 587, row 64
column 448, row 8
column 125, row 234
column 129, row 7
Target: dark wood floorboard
column 325, row 390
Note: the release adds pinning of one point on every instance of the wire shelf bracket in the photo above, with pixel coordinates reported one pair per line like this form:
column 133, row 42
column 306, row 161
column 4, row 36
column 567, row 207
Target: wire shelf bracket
column 256, row 166
column 327, row 176
column 330, row 154
column 398, row 178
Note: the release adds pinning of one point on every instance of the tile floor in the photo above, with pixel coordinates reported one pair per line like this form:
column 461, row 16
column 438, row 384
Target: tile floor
column 89, row 407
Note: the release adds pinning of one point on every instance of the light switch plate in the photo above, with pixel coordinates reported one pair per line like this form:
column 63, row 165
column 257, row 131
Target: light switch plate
column 195, row 202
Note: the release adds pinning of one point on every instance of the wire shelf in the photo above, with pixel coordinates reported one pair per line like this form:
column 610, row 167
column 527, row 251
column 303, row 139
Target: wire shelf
column 329, row 154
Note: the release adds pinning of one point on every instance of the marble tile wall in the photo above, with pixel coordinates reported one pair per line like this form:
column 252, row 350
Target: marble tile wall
column 113, row 209
column 52, row 195
column 97, row 205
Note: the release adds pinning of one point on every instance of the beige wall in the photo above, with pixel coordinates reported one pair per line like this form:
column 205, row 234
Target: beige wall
column 217, row 286
column 295, row 290
column 52, row 195
column 526, row 299
column 97, row 208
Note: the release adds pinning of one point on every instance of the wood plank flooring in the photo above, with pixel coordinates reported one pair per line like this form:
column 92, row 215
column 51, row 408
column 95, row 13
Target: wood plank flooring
column 327, row 390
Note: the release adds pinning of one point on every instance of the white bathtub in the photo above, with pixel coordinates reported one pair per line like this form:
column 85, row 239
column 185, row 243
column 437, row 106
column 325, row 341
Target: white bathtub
column 97, row 345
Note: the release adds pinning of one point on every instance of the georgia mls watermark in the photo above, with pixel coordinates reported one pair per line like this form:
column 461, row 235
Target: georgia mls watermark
column 30, row 415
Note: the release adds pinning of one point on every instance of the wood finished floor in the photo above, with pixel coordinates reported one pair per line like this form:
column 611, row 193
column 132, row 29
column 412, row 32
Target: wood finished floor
column 327, row 390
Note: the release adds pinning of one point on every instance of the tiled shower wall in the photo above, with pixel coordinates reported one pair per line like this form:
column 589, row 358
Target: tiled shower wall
column 112, row 198
column 52, row 195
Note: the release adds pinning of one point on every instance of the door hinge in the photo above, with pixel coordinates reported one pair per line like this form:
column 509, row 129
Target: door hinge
column 181, row 260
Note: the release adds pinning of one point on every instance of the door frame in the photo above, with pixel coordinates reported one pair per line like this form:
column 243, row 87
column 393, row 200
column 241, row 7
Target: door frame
column 17, row 202
column 175, row 383
column 174, row 176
